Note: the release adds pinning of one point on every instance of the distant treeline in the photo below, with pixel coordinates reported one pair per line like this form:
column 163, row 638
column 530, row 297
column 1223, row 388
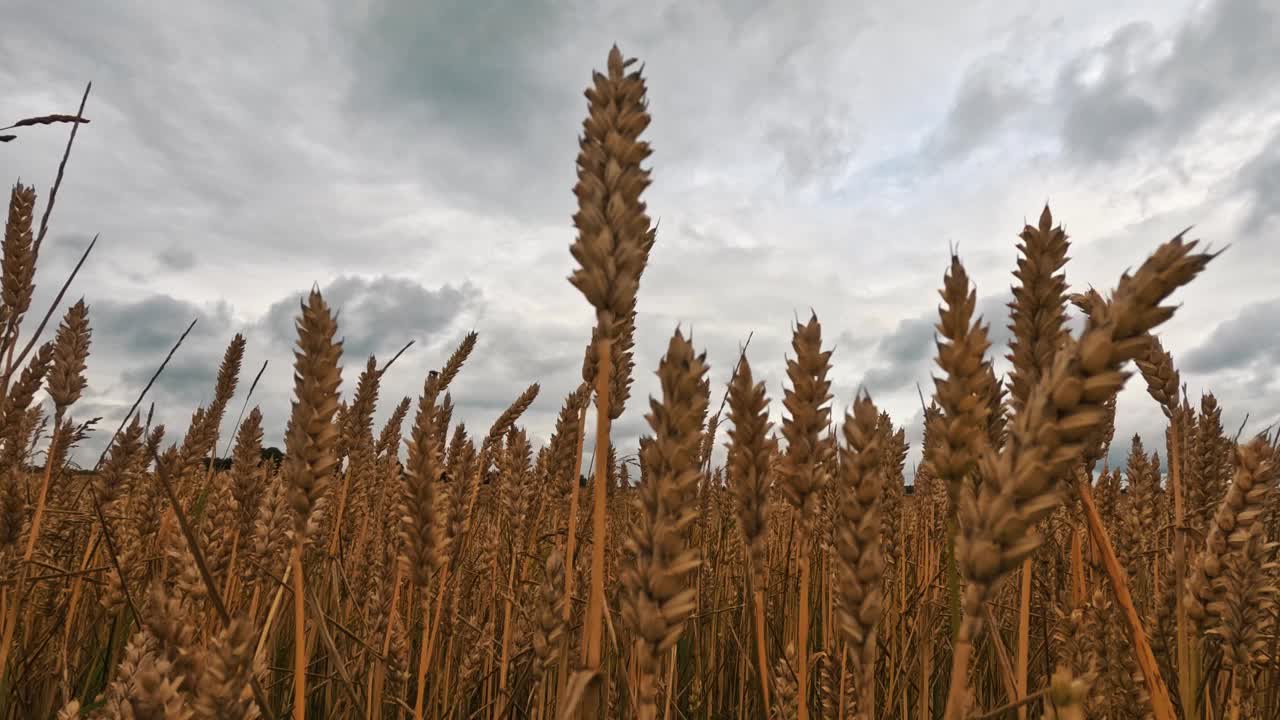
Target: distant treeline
column 272, row 455
column 275, row 456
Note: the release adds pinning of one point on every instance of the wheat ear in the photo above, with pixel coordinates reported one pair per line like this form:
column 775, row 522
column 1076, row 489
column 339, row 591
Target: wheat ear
column 857, row 543
column 310, row 442
column 612, row 227
column 804, row 467
column 749, row 474
column 659, row 596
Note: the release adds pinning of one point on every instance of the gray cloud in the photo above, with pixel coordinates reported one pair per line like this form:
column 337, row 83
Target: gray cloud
column 905, row 356
column 377, row 316
column 467, row 66
column 1105, row 114
column 494, row 98
column 131, row 339
column 149, row 327
column 817, row 149
column 1131, row 90
column 903, row 353
column 186, row 382
column 1249, row 337
column 1259, row 180
column 988, row 99
column 176, row 258
column 473, row 81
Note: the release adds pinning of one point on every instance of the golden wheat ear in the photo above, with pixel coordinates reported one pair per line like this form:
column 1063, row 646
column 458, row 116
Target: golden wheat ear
column 860, row 566
column 965, row 395
column 611, row 249
column 18, row 267
column 658, row 596
column 310, row 453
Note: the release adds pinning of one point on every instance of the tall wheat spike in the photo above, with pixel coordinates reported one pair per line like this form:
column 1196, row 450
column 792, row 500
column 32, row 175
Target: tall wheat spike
column 610, row 249
column 310, row 442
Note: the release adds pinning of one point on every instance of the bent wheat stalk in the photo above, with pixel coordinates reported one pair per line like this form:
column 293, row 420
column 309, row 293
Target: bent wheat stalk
column 1046, row 441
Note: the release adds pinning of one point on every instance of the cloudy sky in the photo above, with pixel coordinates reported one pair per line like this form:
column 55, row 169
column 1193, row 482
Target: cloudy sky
column 416, row 159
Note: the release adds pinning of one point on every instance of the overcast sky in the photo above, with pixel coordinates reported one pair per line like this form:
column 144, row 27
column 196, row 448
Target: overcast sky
column 416, row 159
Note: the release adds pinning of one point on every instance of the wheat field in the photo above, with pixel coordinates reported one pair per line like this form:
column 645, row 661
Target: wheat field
column 429, row 570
